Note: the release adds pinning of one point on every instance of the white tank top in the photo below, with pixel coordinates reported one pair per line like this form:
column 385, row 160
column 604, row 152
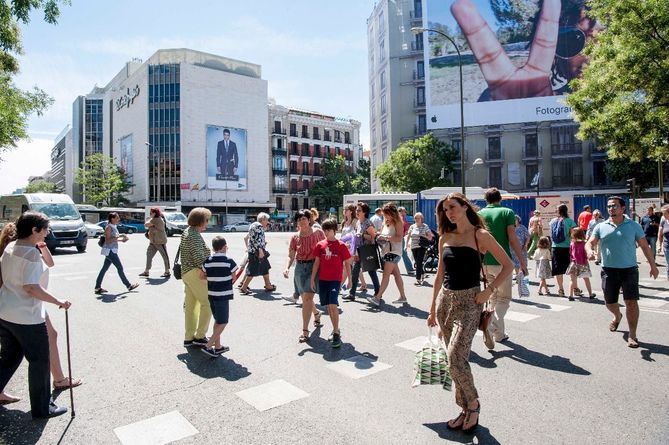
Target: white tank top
column 395, row 246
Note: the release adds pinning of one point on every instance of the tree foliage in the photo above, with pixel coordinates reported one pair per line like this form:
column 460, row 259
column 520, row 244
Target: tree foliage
column 417, row 165
column 645, row 172
column 17, row 105
column 336, row 183
column 40, row 187
column 362, row 180
column 102, row 181
column 622, row 98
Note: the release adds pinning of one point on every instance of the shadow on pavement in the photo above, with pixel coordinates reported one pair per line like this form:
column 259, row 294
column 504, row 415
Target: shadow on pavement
column 481, row 434
column 533, row 358
column 208, row 367
column 157, row 281
column 405, row 310
column 321, row 346
column 18, row 427
column 647, row 349
column 654, row 297
column 112, row 298
column 262, row 294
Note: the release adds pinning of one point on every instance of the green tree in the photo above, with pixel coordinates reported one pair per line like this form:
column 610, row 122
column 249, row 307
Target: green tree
column 362, row 180
column 417, row 165
column 645, row 172
column 622, row 98
column 40, row 187
column 17, row 105
column 335, row 184
column 102, row 181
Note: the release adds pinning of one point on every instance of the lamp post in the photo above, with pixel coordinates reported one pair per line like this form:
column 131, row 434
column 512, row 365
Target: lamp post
column 419, row 30
column 157, row 186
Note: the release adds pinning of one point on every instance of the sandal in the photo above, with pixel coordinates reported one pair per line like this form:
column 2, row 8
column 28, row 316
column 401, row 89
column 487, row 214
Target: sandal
column 245, row 291
column 100, row 290
column 469, row 412
column 166, row 275
column 144, row 274
column 633, row 343
column 133, row 286
column 304, row 337
column 561, row 292
column 9, row 400
column 462, row 416
column 613, row 326
column 68, row 384
column 317, row 321
column 272, row 288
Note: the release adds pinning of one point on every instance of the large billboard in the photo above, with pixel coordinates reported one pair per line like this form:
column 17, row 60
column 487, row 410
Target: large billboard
column 518, row 58
column 226, row 158
column 126, row 157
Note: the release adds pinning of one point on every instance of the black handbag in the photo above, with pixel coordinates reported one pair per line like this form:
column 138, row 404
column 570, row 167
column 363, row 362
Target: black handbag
column 369, row 257
column 424, row 242
column 176, row 269
column 101, row 240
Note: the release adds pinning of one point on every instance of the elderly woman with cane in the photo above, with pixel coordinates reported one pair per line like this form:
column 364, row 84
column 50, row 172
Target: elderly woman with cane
column 23, row 330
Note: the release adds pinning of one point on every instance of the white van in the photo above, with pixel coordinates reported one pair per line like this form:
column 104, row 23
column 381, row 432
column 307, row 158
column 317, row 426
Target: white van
column 175, row 221
column 66, row 227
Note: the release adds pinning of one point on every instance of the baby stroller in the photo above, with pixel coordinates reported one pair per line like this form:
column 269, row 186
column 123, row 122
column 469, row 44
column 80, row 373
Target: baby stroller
column 431, row 260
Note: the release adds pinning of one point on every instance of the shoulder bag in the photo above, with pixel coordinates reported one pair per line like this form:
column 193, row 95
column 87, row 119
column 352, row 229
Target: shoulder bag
column 486, row 313
column 176, row 269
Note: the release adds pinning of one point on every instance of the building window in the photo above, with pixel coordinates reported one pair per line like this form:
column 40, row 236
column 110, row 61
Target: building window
column 305, row 201
column 373, row 141
column 599, row 173
column 494, row 148
column 316, row 133
column 417, row 9
column 277, row 127
column 495, row 177
column 420, row 96
column 380, row 24
column 382, row 50
column 531, row 147
column 305, row 131
column 280, row 184
column 384, row 131
column 305, row 149
column 305, row 186
column 293, row 187
column 278, row 163
column 293, row 204
column 293, row 149
column 279, row 203
column 337, row 136
column 317, row 169
column 422, row 124
column 317, row 150
column 293, row 130
column 371, row 90
column 382, row 80
column 305, row 168
column 326, row 135
column 530, row 172
column 420, row 69
column 457, row 177
column 418, row 43
column 384, row 153
column 384, row 105
column 563, row 140
column 347, row 137
column 293, row 167
column 567, row 173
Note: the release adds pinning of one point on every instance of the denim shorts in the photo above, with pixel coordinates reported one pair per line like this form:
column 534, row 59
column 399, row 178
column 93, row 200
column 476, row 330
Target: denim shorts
column 302, row 278
column 220, row 309
column 328, row 292
column 391, row 257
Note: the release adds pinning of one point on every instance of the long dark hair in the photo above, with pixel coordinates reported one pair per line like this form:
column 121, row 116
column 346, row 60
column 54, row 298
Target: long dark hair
column 351, row 208
column 444, row 225
column 391, row 209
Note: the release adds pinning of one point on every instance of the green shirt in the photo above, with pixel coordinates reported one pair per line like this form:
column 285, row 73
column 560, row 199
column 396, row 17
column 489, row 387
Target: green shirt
column 568, row 225
column 498, row 219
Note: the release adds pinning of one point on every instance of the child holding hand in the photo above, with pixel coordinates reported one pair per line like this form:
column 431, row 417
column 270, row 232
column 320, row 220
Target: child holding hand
column 578, row 267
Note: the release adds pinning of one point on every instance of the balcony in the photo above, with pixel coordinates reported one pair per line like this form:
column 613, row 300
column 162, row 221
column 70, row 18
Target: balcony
column 531, row 153
column 305, row 134
column 494, row 156
column 293, row 134
column 293, row 171
column 418, row 76
column 327, row 138
column 416, row 18
column 568, row 181
column 280, row 171
column 418, row 105
column 279, row 151
column 417, row 47
column 567, row 150
column 337, row 139
column 280, row 190
column 279, row 131
column 317, row 136
column 595, row 152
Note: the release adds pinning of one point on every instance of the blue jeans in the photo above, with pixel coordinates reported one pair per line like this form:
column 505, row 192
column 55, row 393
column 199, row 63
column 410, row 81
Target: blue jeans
column 652, row 242
column 110, row 259
column 405, row 257
column 355, row 277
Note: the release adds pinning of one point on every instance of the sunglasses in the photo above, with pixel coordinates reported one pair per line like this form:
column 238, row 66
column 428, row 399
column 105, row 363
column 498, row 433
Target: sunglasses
column 571, row 41
column 612, row 206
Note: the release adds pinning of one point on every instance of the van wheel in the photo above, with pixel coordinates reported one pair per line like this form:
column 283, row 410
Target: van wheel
column 81, row 249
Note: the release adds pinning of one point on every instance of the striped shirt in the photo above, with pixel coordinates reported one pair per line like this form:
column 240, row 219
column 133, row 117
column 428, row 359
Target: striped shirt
column 193, row 250
column 219, row 269
column 304, row 245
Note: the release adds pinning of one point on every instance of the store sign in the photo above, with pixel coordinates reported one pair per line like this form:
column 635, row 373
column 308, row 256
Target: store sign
column 128, row 98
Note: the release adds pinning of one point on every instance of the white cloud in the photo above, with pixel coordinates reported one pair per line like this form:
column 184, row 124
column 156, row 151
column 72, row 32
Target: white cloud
column 30, row 158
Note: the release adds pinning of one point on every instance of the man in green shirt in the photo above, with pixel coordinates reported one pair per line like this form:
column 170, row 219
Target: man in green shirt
column 501, row 223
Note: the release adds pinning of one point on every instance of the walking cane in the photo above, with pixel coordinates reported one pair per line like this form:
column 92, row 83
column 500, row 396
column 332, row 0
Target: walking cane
column 69, row 360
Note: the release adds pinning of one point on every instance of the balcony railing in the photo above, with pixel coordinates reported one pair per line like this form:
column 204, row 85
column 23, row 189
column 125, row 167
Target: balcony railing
column 572, row 149
column 293, row 171
column 293, row 134
column 416, row 16
column 279, row 131
column 531, row 152
column 568, row 181
column 279, row 151
column 494, row 155
column 418, row 104
column 418, row 76
column 305, row 134
column 317, row 136
column 280, row 190
column 417, row 46
column 280, row 171
column 337, row 139
column 327, row 138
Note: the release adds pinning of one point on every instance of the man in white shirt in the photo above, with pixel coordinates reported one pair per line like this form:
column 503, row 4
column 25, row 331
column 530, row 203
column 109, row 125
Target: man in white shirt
column 377, row 219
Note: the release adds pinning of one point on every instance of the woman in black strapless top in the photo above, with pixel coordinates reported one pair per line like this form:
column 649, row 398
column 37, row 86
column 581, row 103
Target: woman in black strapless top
column 457, row 298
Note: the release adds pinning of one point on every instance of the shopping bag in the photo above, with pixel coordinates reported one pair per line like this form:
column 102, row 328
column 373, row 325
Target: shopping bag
column 369, row 257
column 431, row 364
column 523, row 288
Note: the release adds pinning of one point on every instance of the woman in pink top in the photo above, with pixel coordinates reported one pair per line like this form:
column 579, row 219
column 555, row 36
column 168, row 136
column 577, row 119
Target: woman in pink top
column 578, row 266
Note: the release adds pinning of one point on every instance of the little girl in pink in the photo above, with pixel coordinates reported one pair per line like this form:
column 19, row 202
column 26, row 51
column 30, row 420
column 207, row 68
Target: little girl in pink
column 578, row 267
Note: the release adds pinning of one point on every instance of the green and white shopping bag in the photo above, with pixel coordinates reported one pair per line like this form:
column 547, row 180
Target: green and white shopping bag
column 431, row 364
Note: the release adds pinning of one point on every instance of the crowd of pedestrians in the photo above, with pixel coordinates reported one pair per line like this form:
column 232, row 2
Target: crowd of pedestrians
column 474, row 246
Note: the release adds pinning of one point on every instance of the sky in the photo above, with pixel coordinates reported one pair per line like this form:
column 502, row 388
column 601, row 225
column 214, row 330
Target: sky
column 313, row 54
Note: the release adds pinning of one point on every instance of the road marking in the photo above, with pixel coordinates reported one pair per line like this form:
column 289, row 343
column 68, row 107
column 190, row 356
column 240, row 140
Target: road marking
column 655, row 311
column 271, row 395
column 75, row 278
column 650, row 303
column 87, row 272
column 520, row 316
column 358, row 367
column 157, row 430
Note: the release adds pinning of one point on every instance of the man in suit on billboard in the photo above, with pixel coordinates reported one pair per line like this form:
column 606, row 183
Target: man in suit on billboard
column 227, row 159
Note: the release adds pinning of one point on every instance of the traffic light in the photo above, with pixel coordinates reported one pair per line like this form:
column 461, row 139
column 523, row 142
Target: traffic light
column 631, row 186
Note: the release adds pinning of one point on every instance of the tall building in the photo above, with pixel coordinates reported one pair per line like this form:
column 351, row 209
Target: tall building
column 300, row 143
column 59, row 159
column 187, row 127
column 512, row 154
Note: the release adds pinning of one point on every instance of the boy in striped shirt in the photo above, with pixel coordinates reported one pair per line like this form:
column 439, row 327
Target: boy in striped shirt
column 218, row 270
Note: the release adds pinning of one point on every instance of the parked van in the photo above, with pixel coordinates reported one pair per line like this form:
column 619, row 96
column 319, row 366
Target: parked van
column 66, row 227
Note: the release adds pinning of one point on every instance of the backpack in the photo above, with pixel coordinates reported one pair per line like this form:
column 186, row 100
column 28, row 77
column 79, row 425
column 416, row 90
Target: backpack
column 557, row 230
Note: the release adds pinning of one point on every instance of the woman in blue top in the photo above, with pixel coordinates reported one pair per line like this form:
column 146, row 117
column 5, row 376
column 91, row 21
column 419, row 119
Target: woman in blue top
column 561, row 259
column 110, row 252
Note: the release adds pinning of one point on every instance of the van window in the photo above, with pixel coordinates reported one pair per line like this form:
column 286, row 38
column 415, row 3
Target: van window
column 58, row 211
column 24, row 209
column 6, row 212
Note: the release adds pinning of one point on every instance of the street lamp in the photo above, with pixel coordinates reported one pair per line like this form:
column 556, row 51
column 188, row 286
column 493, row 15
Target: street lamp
column 419, row 30
column 157, row 182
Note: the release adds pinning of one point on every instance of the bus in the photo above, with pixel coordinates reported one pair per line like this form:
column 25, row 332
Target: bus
column 374, row 200
column 133, row 217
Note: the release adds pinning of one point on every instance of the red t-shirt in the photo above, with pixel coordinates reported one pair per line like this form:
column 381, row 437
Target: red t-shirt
column 584, row 219
column 331, row 255
column 304, row 245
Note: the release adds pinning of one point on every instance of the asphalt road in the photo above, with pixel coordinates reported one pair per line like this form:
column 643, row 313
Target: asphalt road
column 562, row 377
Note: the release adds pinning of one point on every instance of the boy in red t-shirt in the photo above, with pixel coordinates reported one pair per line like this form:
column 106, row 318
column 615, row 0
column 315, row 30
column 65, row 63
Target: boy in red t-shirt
column 331, row 257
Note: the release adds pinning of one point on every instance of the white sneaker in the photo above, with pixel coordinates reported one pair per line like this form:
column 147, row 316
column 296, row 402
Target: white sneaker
column 373, row 301
column 292, row 299
column 400, row 301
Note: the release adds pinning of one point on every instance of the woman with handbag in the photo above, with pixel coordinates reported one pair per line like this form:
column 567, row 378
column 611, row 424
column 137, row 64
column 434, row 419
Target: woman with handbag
column 258, row 264
column 365, row 235
column 109, row 243
column 391, row 238
column 457, row 299
column 418, row 240
column 157, row 242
